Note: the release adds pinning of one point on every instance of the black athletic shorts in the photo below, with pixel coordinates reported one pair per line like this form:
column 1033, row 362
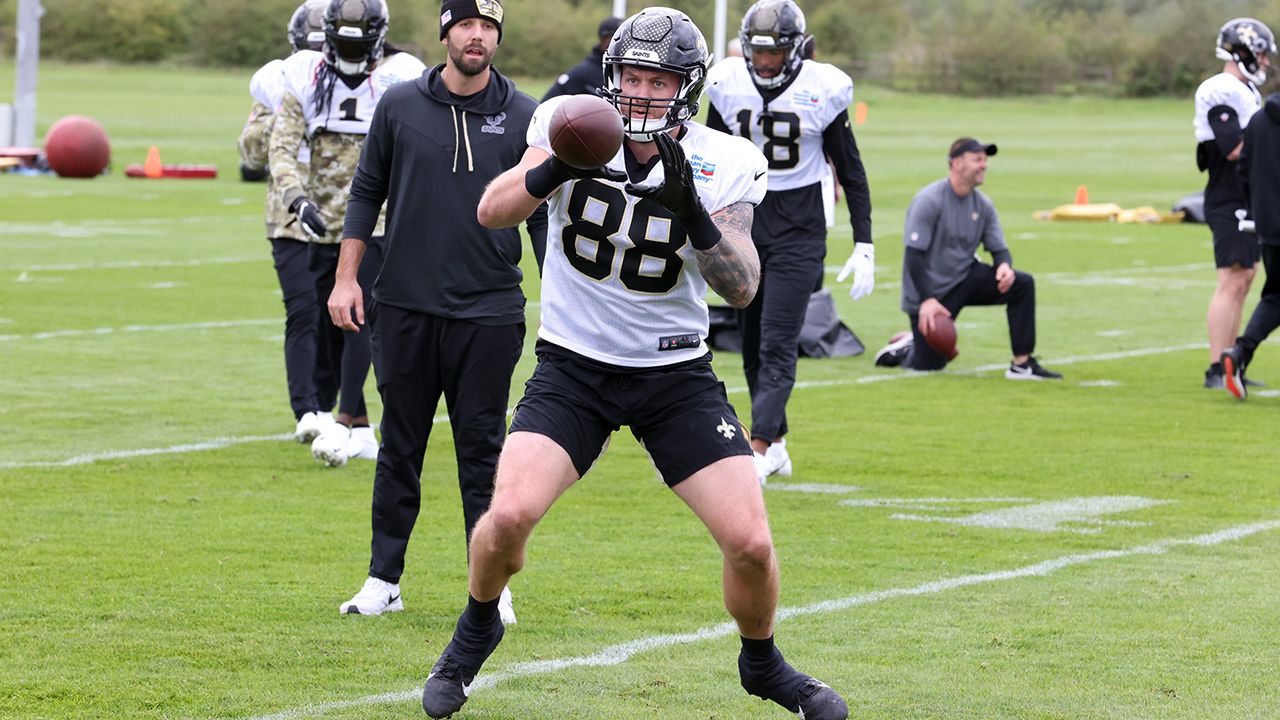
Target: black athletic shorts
column 1230, row 246
column 679, row 413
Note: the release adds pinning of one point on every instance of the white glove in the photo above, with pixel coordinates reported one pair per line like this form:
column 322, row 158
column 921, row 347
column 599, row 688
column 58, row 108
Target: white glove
column 862, row 264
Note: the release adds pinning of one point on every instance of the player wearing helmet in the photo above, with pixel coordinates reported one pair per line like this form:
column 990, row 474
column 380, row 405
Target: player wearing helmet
column 631, row 248
column 329, row 101
column 796, row 111
column 1224, row 105
column 310, row 378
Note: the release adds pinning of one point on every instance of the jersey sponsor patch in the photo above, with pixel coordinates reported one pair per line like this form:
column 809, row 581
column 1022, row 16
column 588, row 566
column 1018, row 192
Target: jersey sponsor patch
column 678, row 342
column 703, row 169
column 805, row 100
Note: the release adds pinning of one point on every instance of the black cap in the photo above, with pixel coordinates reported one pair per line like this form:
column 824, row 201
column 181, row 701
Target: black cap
column 608, row 27
column 968, row 144
column 454, row 11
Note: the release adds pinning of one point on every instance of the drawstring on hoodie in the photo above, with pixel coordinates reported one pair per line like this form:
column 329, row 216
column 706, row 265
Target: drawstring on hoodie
column 457, row 141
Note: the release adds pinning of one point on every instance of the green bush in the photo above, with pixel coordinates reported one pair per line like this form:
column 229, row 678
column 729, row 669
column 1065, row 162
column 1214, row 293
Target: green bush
column 120, row 30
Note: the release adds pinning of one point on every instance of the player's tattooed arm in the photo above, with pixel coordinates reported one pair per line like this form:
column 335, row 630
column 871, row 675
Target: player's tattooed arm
column 732, row 267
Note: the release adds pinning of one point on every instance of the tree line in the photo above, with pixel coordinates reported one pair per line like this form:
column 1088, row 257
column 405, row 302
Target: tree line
column 971, row 47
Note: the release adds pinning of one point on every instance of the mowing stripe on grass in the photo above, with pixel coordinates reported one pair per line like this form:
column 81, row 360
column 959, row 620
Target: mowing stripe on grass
column 883, row 377
column 133, row 264
column 622, row 652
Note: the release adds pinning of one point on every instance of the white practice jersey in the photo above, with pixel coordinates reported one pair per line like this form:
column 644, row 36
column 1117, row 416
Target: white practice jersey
column 1224, row 89
column 620, row 283
column 349, row 111
column 790, row 133
column 267, row 87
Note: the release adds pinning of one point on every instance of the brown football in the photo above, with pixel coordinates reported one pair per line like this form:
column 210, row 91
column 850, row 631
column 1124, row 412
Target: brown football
column 585, row 131
column 943, row 337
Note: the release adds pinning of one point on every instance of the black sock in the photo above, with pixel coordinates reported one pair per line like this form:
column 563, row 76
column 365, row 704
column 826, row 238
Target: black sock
column 482, row 613
column 764, row 673
column 479, row 630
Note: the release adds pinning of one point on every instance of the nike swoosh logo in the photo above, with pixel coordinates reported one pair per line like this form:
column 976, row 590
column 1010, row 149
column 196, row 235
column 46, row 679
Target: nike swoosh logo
column 761, row 174
column 466, row 688
column 392, row 599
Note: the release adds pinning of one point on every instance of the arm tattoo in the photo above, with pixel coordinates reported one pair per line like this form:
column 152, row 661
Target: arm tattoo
column 732, row 267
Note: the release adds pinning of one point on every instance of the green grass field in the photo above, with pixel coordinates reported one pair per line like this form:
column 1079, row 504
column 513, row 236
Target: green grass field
column 953, row 545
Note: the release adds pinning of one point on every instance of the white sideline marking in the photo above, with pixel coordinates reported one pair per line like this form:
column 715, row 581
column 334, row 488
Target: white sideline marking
column 1046, row 516
column 53, row 334
column 215, row 444
column 622, row 652
column 131, row 264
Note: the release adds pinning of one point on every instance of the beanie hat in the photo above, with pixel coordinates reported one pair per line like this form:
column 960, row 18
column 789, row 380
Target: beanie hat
column 454, row 11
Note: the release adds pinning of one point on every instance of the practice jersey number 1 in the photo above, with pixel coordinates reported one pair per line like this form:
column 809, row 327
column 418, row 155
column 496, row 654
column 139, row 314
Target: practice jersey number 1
column 782, row 137
column 606, row 207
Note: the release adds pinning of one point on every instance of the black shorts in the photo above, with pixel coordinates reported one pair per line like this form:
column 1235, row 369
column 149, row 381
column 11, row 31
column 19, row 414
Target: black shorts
column 1230, row 246
column 679, row 413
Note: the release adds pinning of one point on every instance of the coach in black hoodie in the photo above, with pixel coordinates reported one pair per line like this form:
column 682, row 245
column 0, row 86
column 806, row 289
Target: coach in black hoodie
column 448, row 312
column 1259, row 168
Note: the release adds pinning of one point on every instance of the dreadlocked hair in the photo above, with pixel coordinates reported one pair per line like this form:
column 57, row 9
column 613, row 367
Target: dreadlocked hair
column 326, row 78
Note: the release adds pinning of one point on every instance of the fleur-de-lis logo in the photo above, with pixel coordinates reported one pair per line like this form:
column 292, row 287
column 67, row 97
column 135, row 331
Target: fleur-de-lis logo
column 725, row 429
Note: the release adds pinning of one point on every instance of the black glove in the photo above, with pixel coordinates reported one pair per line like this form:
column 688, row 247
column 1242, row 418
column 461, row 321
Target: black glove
column 252, row 174
column 678, row 194
column 307, row 212
column 543, row 180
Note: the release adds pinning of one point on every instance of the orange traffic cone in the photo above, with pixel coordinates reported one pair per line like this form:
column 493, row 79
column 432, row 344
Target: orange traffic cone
column 152, row 168
column 1082, row 195
column 859, row 113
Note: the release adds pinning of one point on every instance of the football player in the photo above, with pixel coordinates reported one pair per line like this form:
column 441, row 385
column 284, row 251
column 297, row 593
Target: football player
column 328, row 101
column 1223, row 106
column 631, row 248
column 796, row 112
column 312, row 385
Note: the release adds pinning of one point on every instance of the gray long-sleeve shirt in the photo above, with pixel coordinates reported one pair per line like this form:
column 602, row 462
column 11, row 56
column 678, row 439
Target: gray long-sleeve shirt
column 945, row 230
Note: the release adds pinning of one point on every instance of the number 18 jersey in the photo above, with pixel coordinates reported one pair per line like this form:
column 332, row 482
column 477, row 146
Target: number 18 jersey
column 620, row 283
column 788, row 129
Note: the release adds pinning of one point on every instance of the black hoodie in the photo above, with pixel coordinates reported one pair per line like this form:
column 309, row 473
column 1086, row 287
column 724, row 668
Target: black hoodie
column 1259, row 167
column 430, row 154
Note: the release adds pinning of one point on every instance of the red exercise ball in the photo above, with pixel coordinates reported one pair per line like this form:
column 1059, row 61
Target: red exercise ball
column 77, row 146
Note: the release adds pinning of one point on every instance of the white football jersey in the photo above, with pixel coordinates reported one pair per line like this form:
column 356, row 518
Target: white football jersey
column 1224, row 89
column 790, row 133
column 620, row 283
column 348, row 111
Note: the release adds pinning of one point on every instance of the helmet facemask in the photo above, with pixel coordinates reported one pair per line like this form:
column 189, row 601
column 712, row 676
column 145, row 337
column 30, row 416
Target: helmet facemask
column 355, row 31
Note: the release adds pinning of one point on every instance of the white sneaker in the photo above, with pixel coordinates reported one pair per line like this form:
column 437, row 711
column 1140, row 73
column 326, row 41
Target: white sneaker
column 331, row 447
column 778, row 452
column 764, row 467
column 362, row 444
column 311, row 424
column 506, row 610
column 376, row 597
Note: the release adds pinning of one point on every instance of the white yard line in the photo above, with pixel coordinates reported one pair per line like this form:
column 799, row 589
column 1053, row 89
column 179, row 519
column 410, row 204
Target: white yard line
column 622, row 652
column 740, row 390
column 88, row 332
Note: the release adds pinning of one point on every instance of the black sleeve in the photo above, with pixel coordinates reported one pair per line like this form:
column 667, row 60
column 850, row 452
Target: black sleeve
column 1002, row 256
column 536, row 224
column 369, row 185
column 1226, row 128
column 714, row 121
column 1242, row 167
column 916, row 262
column 839, row 145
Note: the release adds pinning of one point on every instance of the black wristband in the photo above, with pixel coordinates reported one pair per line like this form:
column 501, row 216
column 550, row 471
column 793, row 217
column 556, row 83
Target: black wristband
column 543, row 180
column 703, row 233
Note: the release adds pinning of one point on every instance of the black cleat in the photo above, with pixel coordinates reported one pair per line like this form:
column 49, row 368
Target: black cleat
column 893, row 354
column 449, row 684
column 1233, row 373
column 1213, row 378
column 818, row 701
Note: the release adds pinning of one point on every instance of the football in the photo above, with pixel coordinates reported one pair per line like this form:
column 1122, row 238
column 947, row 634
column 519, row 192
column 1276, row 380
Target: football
column 585, row 131
column 943, row 337
column 77, row 146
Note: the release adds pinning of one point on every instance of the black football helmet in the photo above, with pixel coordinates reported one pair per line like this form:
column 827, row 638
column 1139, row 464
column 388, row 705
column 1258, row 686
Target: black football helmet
column 773, row 25
column 306, row 27
column 657, row 38
column 1246, row 41
column 354, row 34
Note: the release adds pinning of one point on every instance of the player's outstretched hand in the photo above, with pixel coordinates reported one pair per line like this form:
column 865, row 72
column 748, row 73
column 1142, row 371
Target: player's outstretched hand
column 309, row 215
column 676, row 192
column 862, row 264
column 542, row 180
